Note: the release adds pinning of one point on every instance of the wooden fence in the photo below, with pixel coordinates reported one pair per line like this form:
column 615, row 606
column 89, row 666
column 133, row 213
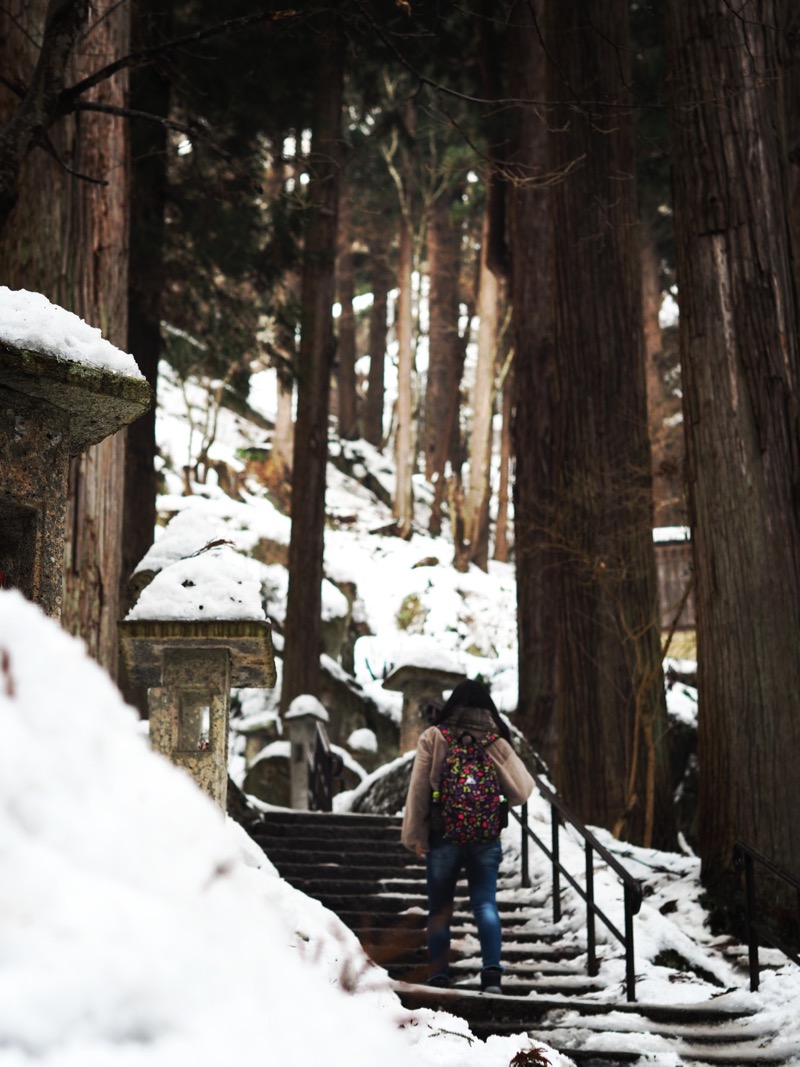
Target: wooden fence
column 674, row 565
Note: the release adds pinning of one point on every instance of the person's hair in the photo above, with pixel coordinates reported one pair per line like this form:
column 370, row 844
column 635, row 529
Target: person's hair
column 471, row 694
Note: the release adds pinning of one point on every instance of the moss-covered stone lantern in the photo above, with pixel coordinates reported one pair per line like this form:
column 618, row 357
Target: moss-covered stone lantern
column 62, row 389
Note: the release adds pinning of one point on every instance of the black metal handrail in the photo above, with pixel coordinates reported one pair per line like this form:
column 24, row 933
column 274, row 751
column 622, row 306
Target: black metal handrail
column 744, row 858
column 323, row 766
column 632, row 887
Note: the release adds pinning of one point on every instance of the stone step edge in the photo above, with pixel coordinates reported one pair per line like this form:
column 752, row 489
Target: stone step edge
column 692, row 1011
column 270, row 819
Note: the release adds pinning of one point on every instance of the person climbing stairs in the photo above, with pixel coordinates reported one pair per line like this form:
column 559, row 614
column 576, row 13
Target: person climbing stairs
column 356, row 866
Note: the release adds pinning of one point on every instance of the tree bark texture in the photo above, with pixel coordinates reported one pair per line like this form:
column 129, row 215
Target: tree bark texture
column 41, row 70
column 403, row 503
column 283, row 435
column 68, row 239
column 444, row 346
column 651, row 301
column 150, row 93
column 346, row 347
column 373, row 407
column 502, row 551
column 302, row 632
column 532, row 388
column 740, row 371
column 612, row 764
column 789, row 29
column 476, row 502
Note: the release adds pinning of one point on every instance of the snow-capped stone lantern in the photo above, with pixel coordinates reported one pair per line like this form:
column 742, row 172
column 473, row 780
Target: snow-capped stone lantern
column 196, row 630
column 421, row 675
column 301, row 719
column 63, row 387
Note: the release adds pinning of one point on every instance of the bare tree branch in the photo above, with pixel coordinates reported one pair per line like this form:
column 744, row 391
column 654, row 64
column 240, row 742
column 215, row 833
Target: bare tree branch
column 191, row 129
column 47, row 99
column 147, row 55
column 50, row 148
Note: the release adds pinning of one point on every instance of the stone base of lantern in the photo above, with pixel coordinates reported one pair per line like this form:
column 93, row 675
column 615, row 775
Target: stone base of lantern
column 189, row 668
column 189, row 716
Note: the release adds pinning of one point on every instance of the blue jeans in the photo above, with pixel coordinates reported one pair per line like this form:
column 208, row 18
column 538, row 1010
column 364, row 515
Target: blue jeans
column 444, row 862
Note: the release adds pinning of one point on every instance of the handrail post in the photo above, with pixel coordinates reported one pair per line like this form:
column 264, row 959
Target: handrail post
column 526, row 874
column 590, row 934
column 327, row 766
column 750, row 911
column 555, row 820
column 632, row 888
column 630, row 970
column 745, row 858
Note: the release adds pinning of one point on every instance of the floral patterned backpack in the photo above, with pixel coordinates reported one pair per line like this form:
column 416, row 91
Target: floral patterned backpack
column 470, row 797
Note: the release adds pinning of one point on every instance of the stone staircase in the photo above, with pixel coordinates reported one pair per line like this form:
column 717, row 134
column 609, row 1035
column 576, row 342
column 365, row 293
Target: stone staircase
column 355, row 865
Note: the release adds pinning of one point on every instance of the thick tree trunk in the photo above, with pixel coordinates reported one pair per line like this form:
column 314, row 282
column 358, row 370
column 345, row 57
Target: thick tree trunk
column 149, row 93
column 302, row 632
column 346, row 347
column 532, row 387
column 612, row 765
column 40, row 63
column 740, row 373
column 67, row 238
column 651, row 302
column 444, row 345
column 476, row 503
column 403, row 503
column 373, row 408
column 283, row 436
column 789, row 29
column 502, row 550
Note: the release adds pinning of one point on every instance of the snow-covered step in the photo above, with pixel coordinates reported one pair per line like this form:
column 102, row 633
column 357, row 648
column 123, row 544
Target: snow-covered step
column 605, row 1033
column 356, row 866
column 367, row 861
column 730, row 1039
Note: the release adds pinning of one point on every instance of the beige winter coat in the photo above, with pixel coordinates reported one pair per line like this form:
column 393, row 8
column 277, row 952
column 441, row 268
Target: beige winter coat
column 515, row 781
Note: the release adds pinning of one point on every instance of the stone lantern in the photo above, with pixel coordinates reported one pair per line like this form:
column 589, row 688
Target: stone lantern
column 51, row 408
column 196, row 630
column 189, row 667
column 422, row 681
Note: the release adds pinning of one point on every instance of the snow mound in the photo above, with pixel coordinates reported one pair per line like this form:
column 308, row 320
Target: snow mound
column 138, row 926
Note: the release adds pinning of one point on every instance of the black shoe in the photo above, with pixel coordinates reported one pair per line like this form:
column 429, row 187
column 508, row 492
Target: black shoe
column 491, row 980
column 439, row 981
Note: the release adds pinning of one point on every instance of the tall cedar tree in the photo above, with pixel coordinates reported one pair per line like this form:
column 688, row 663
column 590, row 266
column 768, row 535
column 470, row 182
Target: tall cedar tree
column 381, row 280
column 740, row 366
column 150, row 93
column 346, row 393
column 533, row 384
column 445, row 350
column 612, row 727
column 67, row 238
column 403, row 501
column 657, row 262
column 304, row 608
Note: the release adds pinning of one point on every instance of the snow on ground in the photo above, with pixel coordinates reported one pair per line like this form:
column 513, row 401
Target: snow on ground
column 138, row 926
